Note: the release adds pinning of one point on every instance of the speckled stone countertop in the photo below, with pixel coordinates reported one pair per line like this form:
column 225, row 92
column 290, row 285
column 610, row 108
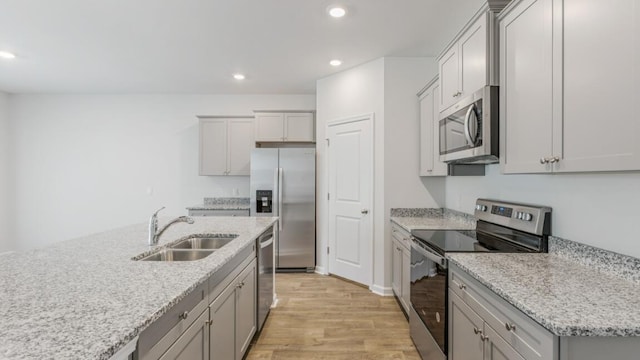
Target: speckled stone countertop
column 223, row 204
column 564, row 296
column 432, row 219
column 86, row 298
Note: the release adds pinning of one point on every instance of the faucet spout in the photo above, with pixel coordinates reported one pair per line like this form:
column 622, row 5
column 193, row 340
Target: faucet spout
column 154, row 234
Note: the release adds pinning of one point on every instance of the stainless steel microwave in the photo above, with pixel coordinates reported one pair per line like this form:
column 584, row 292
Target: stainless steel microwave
column 469, row 129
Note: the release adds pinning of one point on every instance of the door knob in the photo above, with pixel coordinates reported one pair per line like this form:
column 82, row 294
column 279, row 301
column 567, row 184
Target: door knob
column 364, row 211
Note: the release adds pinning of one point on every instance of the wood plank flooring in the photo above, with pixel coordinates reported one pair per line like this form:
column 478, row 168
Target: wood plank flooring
column 327, row 318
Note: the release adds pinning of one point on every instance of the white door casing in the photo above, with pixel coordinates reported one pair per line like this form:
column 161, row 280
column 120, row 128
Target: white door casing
column 350, row 179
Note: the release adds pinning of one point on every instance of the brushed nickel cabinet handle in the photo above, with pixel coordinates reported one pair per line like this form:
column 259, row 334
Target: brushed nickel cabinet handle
column 483, row 337
column 510, row 327
column 477, row 331
column 184, row 315
column 462, row 286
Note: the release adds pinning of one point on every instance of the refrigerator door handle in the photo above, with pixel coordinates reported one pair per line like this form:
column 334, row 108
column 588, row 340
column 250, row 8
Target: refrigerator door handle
column 280, row 176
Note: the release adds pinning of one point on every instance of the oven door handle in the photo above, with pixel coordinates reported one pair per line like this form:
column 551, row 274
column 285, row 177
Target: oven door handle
column 437, row 258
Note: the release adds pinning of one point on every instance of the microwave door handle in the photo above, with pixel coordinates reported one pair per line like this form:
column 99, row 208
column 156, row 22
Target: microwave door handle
column 467, row 119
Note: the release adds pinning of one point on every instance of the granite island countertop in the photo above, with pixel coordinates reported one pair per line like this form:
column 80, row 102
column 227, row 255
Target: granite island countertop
column 86, row 298
column 565, row 297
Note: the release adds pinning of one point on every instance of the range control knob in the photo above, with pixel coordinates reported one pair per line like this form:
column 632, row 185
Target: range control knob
column 481, row 207
column 527, row 217
column 518, row 215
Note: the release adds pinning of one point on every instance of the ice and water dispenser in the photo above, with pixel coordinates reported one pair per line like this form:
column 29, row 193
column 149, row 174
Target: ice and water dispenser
column 264, row 201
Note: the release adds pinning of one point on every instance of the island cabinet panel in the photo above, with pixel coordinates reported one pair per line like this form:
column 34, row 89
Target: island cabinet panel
column 193, row 344
column 565, row 107
column 223, row 329
column 233, row 316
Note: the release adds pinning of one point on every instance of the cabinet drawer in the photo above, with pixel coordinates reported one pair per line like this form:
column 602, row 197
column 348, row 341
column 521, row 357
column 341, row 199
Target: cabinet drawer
column 522, row 333
column 158, row 337
column 400, row 234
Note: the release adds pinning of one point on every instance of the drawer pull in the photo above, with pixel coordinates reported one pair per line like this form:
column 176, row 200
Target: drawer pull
column 462, row 286
column 483, row 337
column 510, row 327
column 184, row 315
column 477, row 331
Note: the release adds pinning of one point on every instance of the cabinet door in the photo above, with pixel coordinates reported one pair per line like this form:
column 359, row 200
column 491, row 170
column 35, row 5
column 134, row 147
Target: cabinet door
column 241, row 141
column 465, row 328
column 269, row 127
column 222, row 335
column 299, row 127
column 406, row 279
column 473, row 47
column 246, row 309
column 526, row 87
column 600, row 129
column 448, row 67
column 193, row 344
column 439, row 168
column 430, row 164
column 495, row 348
column 426, row 133
column 213, row 146
column 396, row 270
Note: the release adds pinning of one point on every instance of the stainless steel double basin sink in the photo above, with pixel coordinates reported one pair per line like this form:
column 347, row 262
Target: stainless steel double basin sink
column 192, row 248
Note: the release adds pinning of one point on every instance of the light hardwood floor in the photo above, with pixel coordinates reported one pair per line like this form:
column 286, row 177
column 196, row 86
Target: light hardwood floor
column 324, row 317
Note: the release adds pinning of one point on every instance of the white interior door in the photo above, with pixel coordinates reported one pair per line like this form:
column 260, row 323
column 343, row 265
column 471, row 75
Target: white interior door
column 350, row 167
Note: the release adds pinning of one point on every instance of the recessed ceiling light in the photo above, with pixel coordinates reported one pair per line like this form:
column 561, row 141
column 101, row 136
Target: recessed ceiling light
column 335, row 62
column 7, row 55
column 337, row 11
column 238, row 76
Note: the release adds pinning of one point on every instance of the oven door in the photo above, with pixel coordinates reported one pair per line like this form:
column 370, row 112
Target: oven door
column 428, row 292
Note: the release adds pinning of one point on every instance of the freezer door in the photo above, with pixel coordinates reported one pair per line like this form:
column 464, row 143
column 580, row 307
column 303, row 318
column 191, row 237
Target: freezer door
column 297, row 238
column 264, row 174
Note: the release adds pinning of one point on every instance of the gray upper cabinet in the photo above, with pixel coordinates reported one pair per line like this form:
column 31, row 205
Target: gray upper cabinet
column 225, row 145
column 470, row 61
column 430, row 164
column 284, row 126
column 563, row 105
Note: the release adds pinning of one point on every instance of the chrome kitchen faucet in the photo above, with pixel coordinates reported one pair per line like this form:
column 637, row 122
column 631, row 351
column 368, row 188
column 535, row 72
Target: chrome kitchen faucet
column 154, row 234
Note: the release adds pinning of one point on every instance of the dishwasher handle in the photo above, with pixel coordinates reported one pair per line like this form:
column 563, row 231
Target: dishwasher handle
column 266, row 238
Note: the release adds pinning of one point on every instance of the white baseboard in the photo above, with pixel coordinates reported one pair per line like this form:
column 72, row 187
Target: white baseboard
column 381, row 290
column 321, row 270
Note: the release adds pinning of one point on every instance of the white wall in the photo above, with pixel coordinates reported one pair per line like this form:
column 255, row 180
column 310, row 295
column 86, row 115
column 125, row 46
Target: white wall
column 86, row 163
column 387, row 88
column 600, row 210
column 6, row 242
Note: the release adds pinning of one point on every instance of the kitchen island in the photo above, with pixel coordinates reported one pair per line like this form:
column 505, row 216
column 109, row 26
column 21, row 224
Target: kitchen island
column 87, row 298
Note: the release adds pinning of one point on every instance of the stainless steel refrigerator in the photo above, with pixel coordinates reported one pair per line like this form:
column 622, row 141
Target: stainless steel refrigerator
column 283, row 184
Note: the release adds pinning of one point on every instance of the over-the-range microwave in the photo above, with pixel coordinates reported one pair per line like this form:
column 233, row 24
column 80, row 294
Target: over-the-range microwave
column 469, row 129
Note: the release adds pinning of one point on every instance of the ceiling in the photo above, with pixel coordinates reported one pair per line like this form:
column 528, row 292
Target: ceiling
column 194, row 46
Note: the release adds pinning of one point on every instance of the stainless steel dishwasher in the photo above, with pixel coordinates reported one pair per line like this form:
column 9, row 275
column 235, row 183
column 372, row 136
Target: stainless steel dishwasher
column 265, row 275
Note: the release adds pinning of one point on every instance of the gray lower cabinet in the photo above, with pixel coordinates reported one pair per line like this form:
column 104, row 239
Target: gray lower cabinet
column 233, row 317
column 193, row 344
column 215, row 321
column 484, row 326
column 400, row 266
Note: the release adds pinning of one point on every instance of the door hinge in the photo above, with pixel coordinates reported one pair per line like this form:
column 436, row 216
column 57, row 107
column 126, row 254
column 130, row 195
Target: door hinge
column 327, row 250
column 328, row 141
column 328, row 196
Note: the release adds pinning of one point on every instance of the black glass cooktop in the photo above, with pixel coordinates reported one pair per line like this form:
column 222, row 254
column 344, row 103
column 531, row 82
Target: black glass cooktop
column 497, row 240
